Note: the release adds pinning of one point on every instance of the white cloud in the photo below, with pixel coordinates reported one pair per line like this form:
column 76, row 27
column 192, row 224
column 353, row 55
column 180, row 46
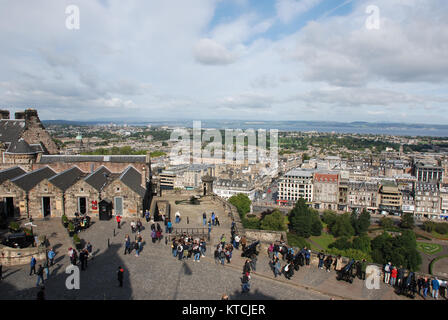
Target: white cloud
column 208, row 51
column 289, row 9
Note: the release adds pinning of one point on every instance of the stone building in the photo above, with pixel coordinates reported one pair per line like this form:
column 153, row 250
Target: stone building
column 22, row 139
column 325, row 190
column 126, row 193
column 427, row 200
column 362, row 194
column 390, row 197
column 10, row 195
column 296, row 184
column 22, row 187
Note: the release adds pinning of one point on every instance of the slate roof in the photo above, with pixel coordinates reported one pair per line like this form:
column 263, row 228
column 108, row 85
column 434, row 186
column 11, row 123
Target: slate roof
column 67, row 178
column 20, row 147
column 100, row 178
column 11, row 173
column 87, row 158
column 11, row 130
column 29, row 180
column 132, row 178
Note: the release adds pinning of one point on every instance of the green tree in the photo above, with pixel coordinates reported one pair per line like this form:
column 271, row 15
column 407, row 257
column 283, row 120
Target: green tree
column 407, row 221
column 342, row 226
column 304, row 221
column 342, row 243
column 274, row 221
column 362, row 243
column 360, row 222
column 242, row 204
column 386, row 222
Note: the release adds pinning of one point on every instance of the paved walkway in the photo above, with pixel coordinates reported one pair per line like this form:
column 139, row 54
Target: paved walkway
column 156, row 274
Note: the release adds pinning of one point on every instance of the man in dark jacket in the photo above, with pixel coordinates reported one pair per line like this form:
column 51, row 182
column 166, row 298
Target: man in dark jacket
column 120, row 276
column 33, row 265
column 400, row 276
column 40, row 275
column 321, row 257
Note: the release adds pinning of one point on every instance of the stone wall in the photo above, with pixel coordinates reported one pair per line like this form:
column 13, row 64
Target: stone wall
column 13, row 257
column 35, row 132
column 8, row 190
column 132, row 202
column 81, row 189
column 45, row 189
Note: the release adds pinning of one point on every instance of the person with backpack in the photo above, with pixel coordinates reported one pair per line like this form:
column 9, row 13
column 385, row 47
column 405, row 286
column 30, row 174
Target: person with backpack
column 307, row 256
column 387, row 271
column 33, row 265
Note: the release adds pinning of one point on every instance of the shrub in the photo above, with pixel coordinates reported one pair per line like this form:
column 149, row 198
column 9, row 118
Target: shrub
column 14, row 226
column 274, row 221
column 71, row 227
column 251, row 223
column 441, row 228
column 342, row 244
column 350, row 253
column 76, row 239
column 64, row 219
column 297, row 241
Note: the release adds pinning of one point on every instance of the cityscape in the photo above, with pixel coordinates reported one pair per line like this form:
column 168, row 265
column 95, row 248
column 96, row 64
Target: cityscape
column 208, row 150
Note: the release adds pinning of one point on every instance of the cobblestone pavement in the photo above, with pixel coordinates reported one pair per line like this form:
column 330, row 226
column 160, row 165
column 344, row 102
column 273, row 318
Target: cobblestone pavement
column 156, row 274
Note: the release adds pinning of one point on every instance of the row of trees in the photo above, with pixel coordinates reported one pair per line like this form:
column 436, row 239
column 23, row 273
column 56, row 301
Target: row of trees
column 347, row 225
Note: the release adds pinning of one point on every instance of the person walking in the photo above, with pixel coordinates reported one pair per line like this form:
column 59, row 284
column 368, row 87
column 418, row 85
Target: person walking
column 387, row 271
column 196, row 252
column 213, row 218
column 127, row 245
column 120, row 273
column 203, row 247
column 118, row 218
column 253, row 262
column 169, row 226
column 147, row 215
column 236, row 242
column 33, row 265
column 204, row 219
column 245, row 282
column 51, row 255
column 277, row 267
column 40, row 275
column 435, row 288
column 217, row 221
column 209, row 228
column 223, row 239
column 82, row 259
column 139, row 241
column 47, row 269
column 89, row 250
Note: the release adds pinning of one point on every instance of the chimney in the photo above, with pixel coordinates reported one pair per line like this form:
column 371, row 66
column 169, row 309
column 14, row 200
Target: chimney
column 19, row 115
column 4, row 114
column 31, row 118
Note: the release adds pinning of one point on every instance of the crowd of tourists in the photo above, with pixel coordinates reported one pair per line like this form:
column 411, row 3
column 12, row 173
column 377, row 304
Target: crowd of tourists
column 407, row 283
column 185, row 246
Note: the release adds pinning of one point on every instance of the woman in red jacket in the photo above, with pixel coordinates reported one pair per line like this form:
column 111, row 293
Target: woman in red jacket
column 118, row 221
column 393, row 276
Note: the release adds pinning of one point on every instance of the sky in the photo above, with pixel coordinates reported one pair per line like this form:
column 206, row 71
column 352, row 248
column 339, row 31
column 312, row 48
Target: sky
column 151, row 60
